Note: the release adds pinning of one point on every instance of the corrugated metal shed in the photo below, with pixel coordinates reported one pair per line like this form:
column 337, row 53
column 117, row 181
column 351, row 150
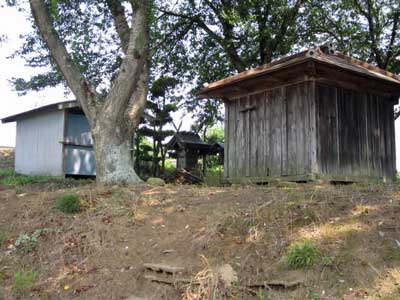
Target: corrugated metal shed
column 54, row 140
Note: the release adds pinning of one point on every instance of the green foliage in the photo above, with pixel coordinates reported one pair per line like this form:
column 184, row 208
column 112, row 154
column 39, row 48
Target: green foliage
column 314, row 296
column 68, row 204
column 261, row 295
column 210, row 40
column 19, row 190
column 28, row 243
column 364, row 29
column 88, row 32
column 6, row 173
column 23, row 282
column 215, row 134
column 9, row 177
column 3, row 238
column 302, row 254
column 157, row 116
column 327, row 261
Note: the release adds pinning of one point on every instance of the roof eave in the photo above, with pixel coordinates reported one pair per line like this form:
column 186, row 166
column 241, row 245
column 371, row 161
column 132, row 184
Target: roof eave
column 53, row 106
column 277, row 67
column 211, row 91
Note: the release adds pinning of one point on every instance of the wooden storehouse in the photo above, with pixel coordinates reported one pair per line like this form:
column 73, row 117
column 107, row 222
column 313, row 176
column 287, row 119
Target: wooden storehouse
column 315, row 114
column 188, row 148
column 54, row 140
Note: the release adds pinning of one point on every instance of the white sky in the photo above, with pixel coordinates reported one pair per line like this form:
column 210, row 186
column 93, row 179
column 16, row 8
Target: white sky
column 12, row 24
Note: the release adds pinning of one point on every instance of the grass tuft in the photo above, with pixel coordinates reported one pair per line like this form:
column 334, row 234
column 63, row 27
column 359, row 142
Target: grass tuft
column 10, row 177
column 23, row 282
column 3, row 238
column 68, row 204
column 302, row 255
column 314, row 296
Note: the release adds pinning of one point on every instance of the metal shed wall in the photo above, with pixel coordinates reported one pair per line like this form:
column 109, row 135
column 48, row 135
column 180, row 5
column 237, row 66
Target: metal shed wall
column 38, row 147
column 79, row 156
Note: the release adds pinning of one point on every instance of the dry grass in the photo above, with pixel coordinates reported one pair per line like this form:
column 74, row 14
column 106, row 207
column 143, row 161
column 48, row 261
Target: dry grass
column 205, row 284
column 98, row 253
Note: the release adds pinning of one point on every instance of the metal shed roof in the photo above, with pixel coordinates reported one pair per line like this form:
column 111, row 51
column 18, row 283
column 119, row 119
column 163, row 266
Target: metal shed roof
column 50, row 107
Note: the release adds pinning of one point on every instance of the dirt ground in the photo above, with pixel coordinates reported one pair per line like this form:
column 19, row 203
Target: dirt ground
column 100, row 252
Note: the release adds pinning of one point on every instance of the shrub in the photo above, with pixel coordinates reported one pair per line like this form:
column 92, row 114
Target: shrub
column 68, row 204
column 302, row 255
column 23, row 282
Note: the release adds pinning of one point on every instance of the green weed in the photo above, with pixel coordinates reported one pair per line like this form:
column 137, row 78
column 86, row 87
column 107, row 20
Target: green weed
column 262, row 295
column 327, row 261
column 302, row 254
column 23, row 282
column 68, row 204
column 28, row 243
column 314, row 296
column 10, row 177
column 19, row 190
column 6, row 173
column 3, row 238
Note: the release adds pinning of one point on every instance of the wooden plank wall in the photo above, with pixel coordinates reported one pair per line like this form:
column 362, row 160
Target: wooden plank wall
column 355, row 133
column 268, row 134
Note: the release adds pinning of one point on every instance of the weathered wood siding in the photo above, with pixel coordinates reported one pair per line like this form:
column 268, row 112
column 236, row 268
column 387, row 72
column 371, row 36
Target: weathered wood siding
column 269, row 134
column 187, row 159
column 355, row 133
column 38, row 144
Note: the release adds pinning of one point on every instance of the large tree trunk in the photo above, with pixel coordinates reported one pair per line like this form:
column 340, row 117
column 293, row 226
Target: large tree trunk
column 113, row 119
column 114, row 157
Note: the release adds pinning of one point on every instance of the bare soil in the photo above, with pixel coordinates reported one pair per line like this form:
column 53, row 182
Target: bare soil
column 99, row 253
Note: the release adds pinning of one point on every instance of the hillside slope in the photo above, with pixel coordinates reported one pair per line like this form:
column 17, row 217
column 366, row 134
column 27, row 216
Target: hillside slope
column 100, row 252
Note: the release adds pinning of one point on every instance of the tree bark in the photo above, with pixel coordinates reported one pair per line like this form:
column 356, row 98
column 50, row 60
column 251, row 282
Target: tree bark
column 114, row 156
column 114, row 119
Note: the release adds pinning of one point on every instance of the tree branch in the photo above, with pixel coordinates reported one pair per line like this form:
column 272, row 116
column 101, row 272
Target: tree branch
column 221, row 40
column 133, row 65
column 288, row 18
column 372, row 31
column 121, row 24
column 80, row 87
column 389, row 53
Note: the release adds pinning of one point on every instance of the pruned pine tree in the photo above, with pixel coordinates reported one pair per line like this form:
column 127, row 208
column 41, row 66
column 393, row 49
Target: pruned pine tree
column 157, row 117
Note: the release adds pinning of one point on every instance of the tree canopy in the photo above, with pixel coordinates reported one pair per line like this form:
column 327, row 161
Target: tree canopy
column 197, row 42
